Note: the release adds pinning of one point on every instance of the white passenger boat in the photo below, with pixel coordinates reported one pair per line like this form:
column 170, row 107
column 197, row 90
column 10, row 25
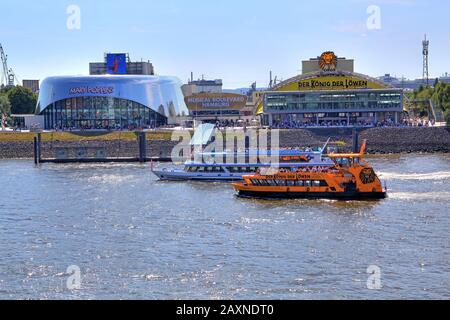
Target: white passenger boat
column 198, row 170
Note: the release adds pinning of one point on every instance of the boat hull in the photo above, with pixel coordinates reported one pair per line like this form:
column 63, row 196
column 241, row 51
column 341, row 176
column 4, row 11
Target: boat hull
column 344, row 196
column 184, row 176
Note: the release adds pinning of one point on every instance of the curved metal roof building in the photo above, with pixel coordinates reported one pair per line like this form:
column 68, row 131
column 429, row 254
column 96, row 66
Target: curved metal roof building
column 110, row 101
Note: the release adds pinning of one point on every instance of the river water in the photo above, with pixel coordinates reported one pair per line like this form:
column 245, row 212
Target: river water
column 133, row 237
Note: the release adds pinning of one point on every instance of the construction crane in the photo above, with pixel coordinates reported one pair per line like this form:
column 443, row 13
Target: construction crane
column 8, row 73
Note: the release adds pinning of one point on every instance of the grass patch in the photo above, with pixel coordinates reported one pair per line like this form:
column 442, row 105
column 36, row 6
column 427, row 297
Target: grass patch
column 82, row 136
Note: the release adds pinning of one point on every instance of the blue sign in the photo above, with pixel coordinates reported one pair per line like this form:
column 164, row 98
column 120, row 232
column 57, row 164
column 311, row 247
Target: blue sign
column 116, row 63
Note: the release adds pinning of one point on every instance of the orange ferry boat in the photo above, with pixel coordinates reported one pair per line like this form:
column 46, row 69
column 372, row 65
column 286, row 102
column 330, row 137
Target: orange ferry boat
column 351, row 178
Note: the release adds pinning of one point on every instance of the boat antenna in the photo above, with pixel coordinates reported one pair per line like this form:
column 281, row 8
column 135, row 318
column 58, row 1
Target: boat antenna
column 363, row 148
column 326, row 145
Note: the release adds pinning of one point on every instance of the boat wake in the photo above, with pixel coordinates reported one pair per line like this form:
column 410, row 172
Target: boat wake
column 420, row 196
column 443, row 175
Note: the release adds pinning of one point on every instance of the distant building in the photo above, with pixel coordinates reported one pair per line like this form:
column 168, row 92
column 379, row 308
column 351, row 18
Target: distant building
column 202, row 86
column 445, row 78
column 120, row 63
column 33, row 85
column 408, row 84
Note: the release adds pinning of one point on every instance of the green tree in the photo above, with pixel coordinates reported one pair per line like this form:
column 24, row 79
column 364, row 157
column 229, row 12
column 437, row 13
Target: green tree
column 5, row 105
column 23, row 100
column 447, row 117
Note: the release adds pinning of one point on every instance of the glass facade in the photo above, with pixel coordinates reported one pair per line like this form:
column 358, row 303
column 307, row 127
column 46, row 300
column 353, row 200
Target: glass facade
column 340, row 101
column 328, row 108
column 100, row 113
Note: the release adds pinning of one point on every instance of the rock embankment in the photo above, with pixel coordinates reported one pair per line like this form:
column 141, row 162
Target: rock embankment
column 407, row 140
column 380, row 141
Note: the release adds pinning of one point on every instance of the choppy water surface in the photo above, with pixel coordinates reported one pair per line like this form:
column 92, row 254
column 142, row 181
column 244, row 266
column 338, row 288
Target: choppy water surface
column 136, row 238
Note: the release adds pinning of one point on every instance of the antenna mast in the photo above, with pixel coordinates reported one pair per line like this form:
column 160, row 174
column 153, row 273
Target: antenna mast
column 425, row 45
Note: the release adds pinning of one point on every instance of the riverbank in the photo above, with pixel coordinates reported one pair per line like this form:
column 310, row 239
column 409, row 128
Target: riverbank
column 380, row 140
column 159, row 144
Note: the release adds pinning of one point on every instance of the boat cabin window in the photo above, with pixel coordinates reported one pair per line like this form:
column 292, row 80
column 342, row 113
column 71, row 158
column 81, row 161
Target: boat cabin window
column 255, row 182
column 316, row 183
column 307, row 183
column 290, row 183
column 299, row 183
column 323, row 183
column 345, row 162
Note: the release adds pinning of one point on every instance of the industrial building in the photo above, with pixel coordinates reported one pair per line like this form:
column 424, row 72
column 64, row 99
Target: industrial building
column 33, row 85
column 120, row 63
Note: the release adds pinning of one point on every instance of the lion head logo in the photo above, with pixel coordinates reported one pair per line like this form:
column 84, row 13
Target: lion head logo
column 367, row 176
column 328, row 61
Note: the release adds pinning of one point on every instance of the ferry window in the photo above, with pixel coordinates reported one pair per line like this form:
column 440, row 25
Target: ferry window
column 201, row 169
column 264, row 182
column 194, row 169
column 299, row 183
column 209, row 169
column 307, row 183
column 290, row 183
column 281, row 182
column 316, row 183
column 323, row 183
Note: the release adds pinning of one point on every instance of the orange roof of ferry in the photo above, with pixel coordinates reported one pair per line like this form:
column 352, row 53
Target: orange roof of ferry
column 350, row 155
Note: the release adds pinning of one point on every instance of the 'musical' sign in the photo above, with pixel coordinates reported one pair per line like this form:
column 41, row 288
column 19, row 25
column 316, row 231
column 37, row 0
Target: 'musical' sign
column 216, row 101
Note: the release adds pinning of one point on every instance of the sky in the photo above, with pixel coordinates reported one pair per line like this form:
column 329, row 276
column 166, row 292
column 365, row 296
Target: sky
column 238, row 41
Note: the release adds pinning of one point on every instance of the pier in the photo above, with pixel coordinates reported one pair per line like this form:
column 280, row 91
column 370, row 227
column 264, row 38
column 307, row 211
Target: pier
column 99, row 151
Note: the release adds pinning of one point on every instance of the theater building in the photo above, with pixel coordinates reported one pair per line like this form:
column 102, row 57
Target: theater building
column 327, row 93
column 110, row 102
column 213, row 107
